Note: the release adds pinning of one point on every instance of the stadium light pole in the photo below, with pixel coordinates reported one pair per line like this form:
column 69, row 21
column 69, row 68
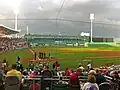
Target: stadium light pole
column 92, row 17
column 27, row 30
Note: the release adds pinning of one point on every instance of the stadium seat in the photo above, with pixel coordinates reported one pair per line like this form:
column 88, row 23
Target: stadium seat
column 46, row 83
column 12, row 83
column 1, row 85
column 60, row 87
column 35, row 86
column 74, row 87
column 26, row 84
column 105, row 86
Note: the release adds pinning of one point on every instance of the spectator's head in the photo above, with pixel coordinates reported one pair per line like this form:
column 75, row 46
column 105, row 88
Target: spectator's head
column 25, row 72
column 57, row 62
column 66, row 68
column 89, row 63
column 78, row 72
column 116, row 76
column 31, row 62
column 80, row 65
column 91, row 79
column 92, row 72
column 98, row 71
column 72, row 71
column 4, row 61
column 36, row 72
column 14, row 66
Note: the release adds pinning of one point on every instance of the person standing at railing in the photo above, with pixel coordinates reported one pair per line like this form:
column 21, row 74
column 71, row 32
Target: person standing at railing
column 46, row 83
column 67, row 72
column 74, row 78
column 31, row 65
column 57, row 64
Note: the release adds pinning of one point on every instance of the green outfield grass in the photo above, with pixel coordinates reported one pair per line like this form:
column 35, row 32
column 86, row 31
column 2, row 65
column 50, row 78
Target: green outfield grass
column 69, row 57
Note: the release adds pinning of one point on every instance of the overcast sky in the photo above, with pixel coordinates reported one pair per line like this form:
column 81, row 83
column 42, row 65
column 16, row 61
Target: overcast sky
column 106, row 11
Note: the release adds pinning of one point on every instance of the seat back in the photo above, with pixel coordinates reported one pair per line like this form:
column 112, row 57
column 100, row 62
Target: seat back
column 74, row 87
column 35, row 86
column 114, row 86
column 105, row 86
column 60, row 87
column 12, row 83
column 46, row 83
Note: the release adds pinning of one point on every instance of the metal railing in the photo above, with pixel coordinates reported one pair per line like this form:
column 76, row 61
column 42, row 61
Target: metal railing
column 51, row 80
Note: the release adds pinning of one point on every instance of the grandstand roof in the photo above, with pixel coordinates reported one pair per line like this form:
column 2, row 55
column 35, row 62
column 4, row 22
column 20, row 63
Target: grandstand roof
column 4, row 30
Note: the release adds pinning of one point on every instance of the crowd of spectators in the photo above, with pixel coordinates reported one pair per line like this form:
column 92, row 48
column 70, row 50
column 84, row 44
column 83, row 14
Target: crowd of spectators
column 12, row 43
column 45, row 76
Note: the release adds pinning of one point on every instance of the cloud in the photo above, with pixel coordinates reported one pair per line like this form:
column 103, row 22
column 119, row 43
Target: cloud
column 106, row 11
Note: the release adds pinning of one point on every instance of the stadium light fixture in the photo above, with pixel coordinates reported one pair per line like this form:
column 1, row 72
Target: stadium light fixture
column 92, row 17
column 14, row 4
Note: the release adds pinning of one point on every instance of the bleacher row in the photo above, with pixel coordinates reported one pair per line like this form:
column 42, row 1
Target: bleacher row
column 44, row 78
column 45, row 83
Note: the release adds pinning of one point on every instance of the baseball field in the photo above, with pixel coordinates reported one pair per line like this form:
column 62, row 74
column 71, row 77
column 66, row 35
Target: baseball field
column 68, row 56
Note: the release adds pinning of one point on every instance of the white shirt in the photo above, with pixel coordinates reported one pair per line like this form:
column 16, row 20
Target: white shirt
column 89, row 65
column 87, row 85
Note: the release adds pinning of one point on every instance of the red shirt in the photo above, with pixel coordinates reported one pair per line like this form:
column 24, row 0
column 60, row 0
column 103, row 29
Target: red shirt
column 32, row 75
column 67, row 72
column 74, row 80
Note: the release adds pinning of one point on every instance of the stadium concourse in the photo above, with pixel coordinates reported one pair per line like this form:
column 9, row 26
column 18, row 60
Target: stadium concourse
column 42, row 77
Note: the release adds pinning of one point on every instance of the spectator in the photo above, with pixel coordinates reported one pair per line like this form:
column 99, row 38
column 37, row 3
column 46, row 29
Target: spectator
column 4, row 64
column 81, row 67
column 57, row 65
column 92, row 72
column 89, row 66
column 31, row 65
column 34, row 74
column 53, row 65
column 1, row 80
column 91, row 83
column 47, row 72
column 40, row 66
column 74, row 79
column 67, row 72
column 14, row 72
column 99, row 77
column 18, row 59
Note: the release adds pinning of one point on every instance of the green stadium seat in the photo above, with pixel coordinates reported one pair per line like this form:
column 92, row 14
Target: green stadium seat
column 60, row 87
column 74, row 87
